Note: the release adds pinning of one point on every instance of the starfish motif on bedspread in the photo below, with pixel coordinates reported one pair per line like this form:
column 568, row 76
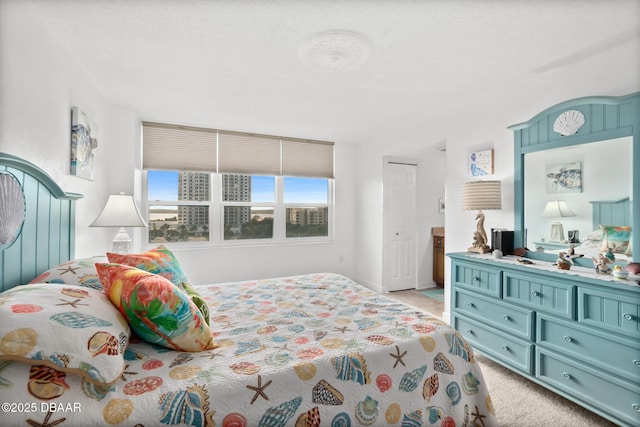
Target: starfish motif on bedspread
column 398, row 356
column 478, row 416
column 259, row 389
column 46, row 422
column 282, row 348
column 73, row 304
column 211, row 355
column 68, row 269
column 123, row 375
column 342, row 329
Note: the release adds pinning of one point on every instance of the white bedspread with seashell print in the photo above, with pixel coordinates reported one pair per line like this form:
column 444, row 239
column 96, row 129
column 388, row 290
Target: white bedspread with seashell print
column 305, row 350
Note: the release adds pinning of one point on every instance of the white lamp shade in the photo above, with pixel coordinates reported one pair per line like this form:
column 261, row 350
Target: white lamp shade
column 482, row 195
column 120, row 211
column 557, row 209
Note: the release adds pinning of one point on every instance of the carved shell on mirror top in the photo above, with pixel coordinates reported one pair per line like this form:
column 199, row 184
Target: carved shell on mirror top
column 568, row 122
column 12, row 209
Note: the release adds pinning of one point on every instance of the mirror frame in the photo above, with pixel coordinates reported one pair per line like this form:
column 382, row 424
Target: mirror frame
column 605, row 118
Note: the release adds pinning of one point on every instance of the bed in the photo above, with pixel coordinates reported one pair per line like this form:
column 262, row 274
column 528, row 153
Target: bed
column 611, row 225
column 309, row 350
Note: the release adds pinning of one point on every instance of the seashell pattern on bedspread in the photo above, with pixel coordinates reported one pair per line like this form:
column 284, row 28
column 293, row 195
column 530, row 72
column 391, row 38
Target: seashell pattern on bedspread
column 315, row 349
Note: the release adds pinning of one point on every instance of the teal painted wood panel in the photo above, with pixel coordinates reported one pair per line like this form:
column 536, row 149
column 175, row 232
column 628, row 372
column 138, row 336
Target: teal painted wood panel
column 605, row 118
column 48, row 234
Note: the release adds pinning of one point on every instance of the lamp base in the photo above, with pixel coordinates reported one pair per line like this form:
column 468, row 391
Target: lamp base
column 479, row 249
column 121, row 242
column 557, row 232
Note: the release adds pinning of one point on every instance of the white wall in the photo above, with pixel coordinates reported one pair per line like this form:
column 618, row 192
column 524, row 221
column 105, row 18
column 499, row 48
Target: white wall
column 40, row 81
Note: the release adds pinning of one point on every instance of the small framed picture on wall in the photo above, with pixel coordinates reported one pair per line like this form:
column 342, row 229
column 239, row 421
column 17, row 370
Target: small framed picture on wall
column 481, row 163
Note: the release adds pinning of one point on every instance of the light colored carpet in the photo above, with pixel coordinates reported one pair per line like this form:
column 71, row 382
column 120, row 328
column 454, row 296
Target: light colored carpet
column 520, row 402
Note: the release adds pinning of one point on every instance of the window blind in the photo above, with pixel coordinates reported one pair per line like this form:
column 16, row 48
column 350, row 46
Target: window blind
column 307, row 158
column 248, row 153
column 170, row 147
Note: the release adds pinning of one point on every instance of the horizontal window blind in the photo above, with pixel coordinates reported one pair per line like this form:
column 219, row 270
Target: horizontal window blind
column 169, row 147
column 248, row 153
column 307, row 158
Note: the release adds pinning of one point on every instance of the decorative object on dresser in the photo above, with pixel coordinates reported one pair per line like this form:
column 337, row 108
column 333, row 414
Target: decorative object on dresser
column 120, row 211
column 576, row 333
column 479, row 195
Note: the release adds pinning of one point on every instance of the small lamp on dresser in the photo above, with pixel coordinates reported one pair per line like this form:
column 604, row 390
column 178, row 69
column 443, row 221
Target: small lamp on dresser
column 557, row 209
column 481, row 195
column 120, row 211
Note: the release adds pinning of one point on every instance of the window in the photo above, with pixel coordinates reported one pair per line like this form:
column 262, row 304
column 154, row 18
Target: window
column 181, row 206
column 208, row 185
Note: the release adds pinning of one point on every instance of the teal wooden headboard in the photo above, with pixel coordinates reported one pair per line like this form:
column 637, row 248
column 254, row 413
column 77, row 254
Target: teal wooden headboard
column 615, row 212
column 47, row 236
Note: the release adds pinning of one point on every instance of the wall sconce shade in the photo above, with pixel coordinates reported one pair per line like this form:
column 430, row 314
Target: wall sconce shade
column 557, row 209
column 481, row 195
column 120, row 211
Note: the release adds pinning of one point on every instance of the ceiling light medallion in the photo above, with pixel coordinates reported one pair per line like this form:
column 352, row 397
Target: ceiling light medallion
column 335, row 50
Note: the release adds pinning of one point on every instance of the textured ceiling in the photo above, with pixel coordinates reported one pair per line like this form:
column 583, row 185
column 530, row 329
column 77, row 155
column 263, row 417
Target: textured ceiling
column 235, row 64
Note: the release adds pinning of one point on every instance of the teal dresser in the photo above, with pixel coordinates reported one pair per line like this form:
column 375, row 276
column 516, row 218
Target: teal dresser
column 575, row 332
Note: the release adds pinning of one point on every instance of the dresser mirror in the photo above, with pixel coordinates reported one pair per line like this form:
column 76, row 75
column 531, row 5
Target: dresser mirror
column 593, row 164
column 575, row 176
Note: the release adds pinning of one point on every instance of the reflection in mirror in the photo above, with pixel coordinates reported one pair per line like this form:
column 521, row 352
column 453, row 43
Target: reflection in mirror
column 572, row 178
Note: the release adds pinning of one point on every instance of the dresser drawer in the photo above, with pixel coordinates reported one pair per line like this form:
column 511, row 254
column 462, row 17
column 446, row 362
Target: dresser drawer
column 601, row 392
column 540, row 294
column 510, row 350
column 481, row 279
column 513, row 320
column 610, row 311
column 603, row 351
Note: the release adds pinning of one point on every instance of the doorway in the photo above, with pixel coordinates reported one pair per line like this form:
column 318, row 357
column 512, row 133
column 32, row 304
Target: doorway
column 399, row 223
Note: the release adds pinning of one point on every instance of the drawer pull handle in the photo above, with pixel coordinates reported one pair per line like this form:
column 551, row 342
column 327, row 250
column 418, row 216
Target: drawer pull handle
column 505, row 348
column 636, row 407
column 505, row 317
column 568, row 338
column 476, row 279
column 470, row 331
column 627, row 316
column 535, row 293
column 566, row 375
column 470, row 304
column 637, row 363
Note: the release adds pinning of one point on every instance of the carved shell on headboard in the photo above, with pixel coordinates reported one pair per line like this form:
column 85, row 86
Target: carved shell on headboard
column 568, row 122
column 12, row 208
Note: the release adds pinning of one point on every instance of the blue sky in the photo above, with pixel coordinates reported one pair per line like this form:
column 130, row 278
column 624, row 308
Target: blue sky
column 163, row 185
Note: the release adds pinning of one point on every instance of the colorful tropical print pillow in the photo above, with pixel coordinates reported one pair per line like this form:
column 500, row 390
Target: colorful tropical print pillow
column 157, row 311
column 616, row 238
column 80, row 272
column 161, row 261
column 60, row 329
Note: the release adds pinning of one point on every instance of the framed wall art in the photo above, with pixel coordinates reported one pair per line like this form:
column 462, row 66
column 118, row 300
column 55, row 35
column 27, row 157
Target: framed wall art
column 481, row 163
column 564, row 178
column 84, row 142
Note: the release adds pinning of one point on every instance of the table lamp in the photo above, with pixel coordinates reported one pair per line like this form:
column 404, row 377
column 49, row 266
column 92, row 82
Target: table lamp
column 481, row 195
column 120, row 211
column 557, row 209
